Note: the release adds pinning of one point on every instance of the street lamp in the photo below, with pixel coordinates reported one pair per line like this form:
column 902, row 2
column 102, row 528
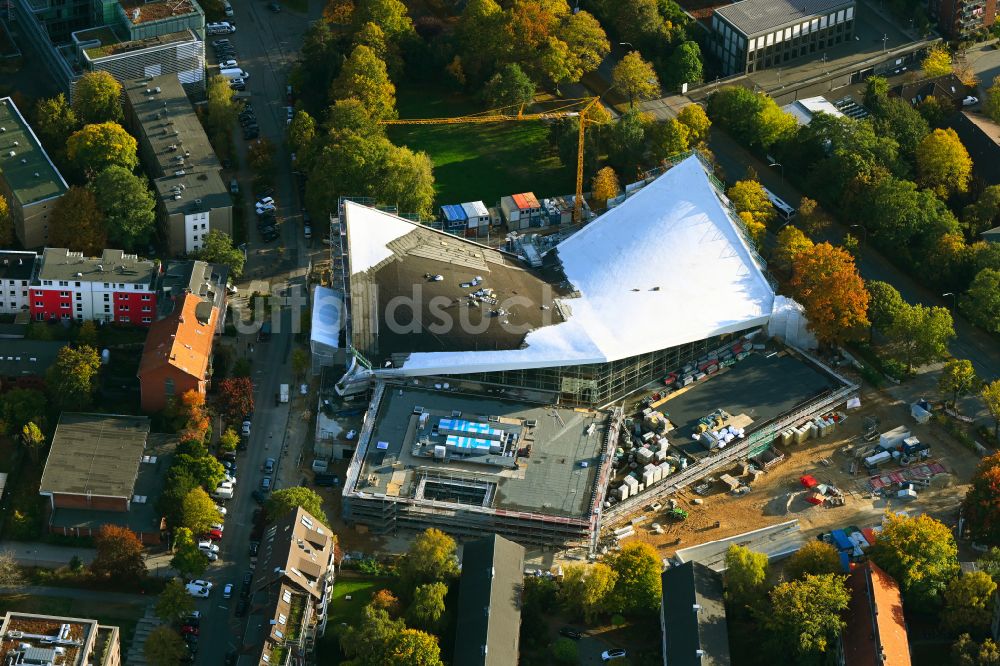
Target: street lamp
column 628, row 44
column 954, row 298
column 864, row 238
column 885, row 39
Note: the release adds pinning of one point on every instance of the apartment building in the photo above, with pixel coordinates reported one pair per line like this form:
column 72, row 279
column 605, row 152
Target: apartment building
column 115, row 287
column 29, row 180
column 192, row 198
column 17, row 270
column 290, row 590
column 961, row 19
column 50, row 640
column 181, row 54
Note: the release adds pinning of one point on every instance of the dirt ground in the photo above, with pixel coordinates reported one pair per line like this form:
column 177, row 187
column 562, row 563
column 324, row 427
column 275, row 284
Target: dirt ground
column 778, row 496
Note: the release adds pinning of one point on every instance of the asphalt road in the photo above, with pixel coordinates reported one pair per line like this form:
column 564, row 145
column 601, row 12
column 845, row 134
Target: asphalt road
column 266, row 46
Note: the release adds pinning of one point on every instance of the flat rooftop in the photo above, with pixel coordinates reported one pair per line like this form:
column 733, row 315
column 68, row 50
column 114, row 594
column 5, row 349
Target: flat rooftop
column 551, row 479
column 17, row 265
column 188, row 178
column 760, row 387
column 42, row 635
column 99, row 454
column 757, row 16
column 112, row 45
column 142, row 516
column 154, row 11
column 111, row 266
column 24, row 164
column 28, row 358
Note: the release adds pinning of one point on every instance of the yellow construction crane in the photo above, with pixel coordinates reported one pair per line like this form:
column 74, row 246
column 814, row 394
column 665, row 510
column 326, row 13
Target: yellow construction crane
column 571, row 108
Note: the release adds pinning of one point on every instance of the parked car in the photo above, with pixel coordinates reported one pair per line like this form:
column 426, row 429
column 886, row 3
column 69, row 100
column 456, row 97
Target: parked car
column 570, row 632
column 227, row 8
column 230, row 465
column 214, row 535
column 274, row 7
column 265, row 484
column 229, row 64
column 258, row 497
column 234, row 186
column 198, row 588
column 227, row 591
column 254, row 546
column 250, row 135
column 207, row 546
column 237, row 84
column 326, row 479
column 189, row 629
column 615, row 653
column 268, row 467
column 217, row 526
column 246, row 429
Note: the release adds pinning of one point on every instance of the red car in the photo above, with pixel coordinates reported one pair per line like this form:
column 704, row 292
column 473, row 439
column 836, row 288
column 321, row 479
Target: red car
column 214, row 535
column 188, row 629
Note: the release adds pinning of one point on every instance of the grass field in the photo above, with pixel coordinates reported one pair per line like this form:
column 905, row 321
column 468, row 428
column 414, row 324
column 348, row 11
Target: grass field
column 124, row 616
column 479, row 162
column 346, row 611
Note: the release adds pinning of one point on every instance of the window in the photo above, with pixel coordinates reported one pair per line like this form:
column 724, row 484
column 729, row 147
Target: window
column 64, row 305
column 47, row 283
column 195, row 237
column 40, row 316
column 79, row 307
column 146, row 320
column 107, row 297
column 64, row 294
column 39, row 304
column 63, row 283
column 124, row 308
column 106, row 285
column 124, row 320
column 24, row 283
column 145, row 297
column 78, row 284
column 79, row 296
column 138, row 287
column 107, row 308
column 168, row 386
column 146, row 308
column 203, row 226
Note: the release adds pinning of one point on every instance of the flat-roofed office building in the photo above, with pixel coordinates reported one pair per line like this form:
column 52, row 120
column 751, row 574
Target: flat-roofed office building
column 751, row 35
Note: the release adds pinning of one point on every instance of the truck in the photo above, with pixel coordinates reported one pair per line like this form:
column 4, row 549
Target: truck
column 283, row 393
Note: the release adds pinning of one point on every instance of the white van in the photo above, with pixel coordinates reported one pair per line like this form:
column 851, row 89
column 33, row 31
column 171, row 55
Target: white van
column 222, row 28
column 234, row 73
column 223, row 492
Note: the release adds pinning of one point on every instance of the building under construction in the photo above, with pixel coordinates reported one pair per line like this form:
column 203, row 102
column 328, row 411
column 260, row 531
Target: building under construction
column 478, row 464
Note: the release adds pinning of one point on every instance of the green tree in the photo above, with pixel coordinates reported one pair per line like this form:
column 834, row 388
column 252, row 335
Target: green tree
column 981, row 303
column 626, row 142
column 411, row 647
column 884, row 303
column 221, row 111
column 920, row 553
column 638, row 587
column 968, row 602
column 789, row 245
column 11, row 574
column 302, row 139
column 218, row 249
column 564, row 651
column 684, row 65
column 300, row 362
column 260, row 159
column 735, row 108
column 991, row 396
column 667, row 138
column 427, row 607
column 991, row 105
column 937, row 62
column 509, row 87
column 70, row 380
column 984, row 213
column 935, row 110
column 943, row 163
column 55, row 120
column 179, row 482
column 920, row 334
column 390, row 15
column 958, row 378
column 693, row 117
column 807, row 614
column 982, row 501
column 97, row 98
column 281, row 502
column 586, row 44
column 479, row 37
column 119, row 554
column 746, row 574
column 174, row 602
column 812, row 218
column 635, row 78
column 585, row 588
column 206, row 470
column 21, row 406
column 198, row 511
column 77, row 223
column 96, row 147
column 188, row 560
column 365, row 78
column 814, row 558
column 898, row 119
column 87, row 334
column 33, row 440
column 229, row 440
column 127, row 204
column 876, row 92
column 164, row 647
column 408, row 181
column 773, row 124
column 430, row 558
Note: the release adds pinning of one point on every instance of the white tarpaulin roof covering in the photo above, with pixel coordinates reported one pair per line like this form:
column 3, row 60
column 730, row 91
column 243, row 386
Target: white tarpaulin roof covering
column 665, row 268
column 327, row 317
column 804, row 109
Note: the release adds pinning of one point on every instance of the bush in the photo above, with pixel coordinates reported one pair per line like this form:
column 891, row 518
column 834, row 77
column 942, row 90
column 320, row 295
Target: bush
column 564, row 651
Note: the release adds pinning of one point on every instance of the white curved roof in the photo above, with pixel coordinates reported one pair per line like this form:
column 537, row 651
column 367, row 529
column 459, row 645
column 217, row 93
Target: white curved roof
column 666, row 267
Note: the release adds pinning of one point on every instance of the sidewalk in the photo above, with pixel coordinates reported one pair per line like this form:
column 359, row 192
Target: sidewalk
column 76, row 593
column 34, row 554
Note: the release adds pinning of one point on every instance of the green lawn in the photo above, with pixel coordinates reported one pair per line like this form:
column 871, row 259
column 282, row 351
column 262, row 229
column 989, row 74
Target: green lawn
column 473, row 162
column 122, row 615
column 346, row 611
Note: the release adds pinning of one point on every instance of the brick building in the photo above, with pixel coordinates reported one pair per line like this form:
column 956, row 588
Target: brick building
column 960, row 19
column 178, row 351
column 115, row 287
column 105, row 469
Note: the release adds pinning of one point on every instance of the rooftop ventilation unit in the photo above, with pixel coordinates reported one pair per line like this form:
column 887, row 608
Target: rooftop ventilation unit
column 17, row 143
column 179, row 173
column 11, row 154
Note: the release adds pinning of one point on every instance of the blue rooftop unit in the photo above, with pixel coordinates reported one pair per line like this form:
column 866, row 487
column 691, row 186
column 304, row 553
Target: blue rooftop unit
column 464, row 428
column 453, row 216
column 841, row 541
column 468, row 444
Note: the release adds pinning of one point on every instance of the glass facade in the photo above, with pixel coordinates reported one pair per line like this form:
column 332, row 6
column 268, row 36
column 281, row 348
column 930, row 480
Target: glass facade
column 598, row 384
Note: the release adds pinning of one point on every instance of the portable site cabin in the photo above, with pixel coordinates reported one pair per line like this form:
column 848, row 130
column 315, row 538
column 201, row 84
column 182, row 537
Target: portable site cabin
column 521, row 211
column 453, row 217
column 841, row 542
column 477, row 218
